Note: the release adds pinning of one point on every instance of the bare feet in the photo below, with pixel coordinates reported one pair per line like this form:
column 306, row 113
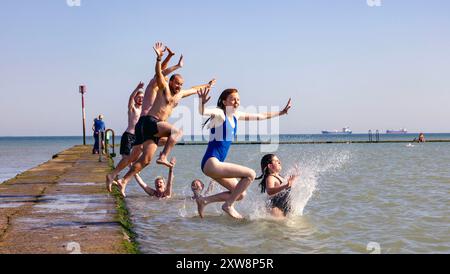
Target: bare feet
column 109, row 182
column 121, row 186
column 171, row 53
column 231, row 211
column 162, row 160
column 200, row 206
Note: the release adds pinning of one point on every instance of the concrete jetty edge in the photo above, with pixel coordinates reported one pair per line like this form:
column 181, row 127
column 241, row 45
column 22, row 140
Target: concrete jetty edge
column 130, row 244
column 62, row 207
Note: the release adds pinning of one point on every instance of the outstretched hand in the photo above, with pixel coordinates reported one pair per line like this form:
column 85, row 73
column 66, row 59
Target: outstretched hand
column 203, row 95
column 292, row 179
column 159, row 49
column 171, row 53
column 181, row 62
column 140, row 85
column 287, row 107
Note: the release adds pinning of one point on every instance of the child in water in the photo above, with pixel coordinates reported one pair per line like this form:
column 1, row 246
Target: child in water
column 197, row 186
column 277, row 187
column 162, row 189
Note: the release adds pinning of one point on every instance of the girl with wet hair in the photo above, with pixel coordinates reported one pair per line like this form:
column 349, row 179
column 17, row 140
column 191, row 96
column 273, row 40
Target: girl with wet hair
column 222, row 123
column 277, row 187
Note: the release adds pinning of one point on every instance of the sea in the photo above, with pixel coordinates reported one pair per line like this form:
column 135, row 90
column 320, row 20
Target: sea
column 349, row 197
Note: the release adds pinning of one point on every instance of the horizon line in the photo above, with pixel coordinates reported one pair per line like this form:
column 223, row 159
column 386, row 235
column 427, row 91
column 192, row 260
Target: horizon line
column 354, row 133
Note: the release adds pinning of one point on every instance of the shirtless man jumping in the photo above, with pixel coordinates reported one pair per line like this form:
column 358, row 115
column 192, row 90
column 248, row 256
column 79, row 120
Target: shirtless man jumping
column 138, row 105
column 151, row 127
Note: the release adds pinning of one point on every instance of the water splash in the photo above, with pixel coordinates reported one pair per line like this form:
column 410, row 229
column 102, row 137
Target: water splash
column 254, row 205
column 188, row 208
column 304, row 187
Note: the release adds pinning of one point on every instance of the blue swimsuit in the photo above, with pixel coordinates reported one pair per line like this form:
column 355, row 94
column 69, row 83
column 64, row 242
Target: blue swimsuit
column 220, row 140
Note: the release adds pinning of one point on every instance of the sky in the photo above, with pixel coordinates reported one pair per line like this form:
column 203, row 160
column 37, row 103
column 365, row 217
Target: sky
column 343, row 63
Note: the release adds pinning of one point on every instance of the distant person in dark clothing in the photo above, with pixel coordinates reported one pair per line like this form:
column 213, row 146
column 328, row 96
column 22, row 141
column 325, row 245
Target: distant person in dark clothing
column 421, row 138
column 99, row 130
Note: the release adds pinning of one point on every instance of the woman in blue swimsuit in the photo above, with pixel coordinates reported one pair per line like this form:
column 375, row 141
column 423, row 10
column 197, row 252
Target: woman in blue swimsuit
column 223, row 128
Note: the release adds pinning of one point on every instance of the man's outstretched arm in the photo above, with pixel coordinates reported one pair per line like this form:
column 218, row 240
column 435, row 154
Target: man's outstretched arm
column 166, row 71
column 193, row 90
column 158, row 69
column 150, row 191
column 160, row 80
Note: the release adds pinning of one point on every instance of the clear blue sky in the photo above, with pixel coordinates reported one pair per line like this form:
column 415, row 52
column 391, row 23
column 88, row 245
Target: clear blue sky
column 342, row 62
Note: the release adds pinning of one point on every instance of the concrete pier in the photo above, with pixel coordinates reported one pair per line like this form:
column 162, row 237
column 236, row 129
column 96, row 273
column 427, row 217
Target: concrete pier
column 62, row 207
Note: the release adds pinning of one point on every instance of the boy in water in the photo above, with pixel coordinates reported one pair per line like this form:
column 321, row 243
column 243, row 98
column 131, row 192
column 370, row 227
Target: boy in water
column 197, row 186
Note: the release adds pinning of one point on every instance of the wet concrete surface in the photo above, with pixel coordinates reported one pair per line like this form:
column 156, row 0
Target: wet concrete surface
column 60, row 207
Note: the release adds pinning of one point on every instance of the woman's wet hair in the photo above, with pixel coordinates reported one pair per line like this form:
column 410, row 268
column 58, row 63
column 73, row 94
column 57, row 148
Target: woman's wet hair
column 265, row 161
column 223, row 96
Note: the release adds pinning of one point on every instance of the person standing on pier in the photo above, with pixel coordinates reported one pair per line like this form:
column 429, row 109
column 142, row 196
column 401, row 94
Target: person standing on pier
column 99, row 131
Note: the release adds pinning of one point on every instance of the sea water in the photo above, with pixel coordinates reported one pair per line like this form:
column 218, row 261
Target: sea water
column 348, row 199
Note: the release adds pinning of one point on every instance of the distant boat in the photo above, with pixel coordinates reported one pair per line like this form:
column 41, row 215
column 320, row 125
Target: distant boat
column 400, row 131
column 345, row 130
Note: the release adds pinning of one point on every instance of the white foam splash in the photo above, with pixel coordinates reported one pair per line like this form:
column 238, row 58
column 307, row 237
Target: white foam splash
column 188, row 208
column 254, row 205
column 304, row 187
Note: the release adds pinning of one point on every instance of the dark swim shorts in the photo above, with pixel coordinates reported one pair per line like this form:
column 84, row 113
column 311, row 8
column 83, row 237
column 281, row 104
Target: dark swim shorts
column 126, row 143
column 145, row 130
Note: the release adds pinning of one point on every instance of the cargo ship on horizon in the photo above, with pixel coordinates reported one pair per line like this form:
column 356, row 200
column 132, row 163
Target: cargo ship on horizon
column 345, row 130
column 400, row 131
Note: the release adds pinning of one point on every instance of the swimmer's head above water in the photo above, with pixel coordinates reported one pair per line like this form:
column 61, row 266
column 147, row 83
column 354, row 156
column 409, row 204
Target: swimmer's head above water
column 160, row 184
column 270, row 164
column 197, row 187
